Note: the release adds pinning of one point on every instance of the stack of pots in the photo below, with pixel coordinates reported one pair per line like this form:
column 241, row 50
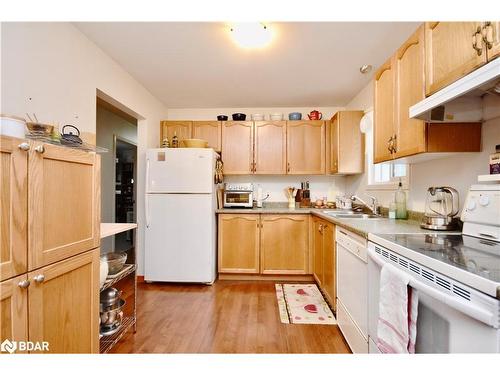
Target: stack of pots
column 110, row 311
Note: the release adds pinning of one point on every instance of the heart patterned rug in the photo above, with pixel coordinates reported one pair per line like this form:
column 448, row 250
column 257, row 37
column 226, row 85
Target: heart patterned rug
column 303, row 304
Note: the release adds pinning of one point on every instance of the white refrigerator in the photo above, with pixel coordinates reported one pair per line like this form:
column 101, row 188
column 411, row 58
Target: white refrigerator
column 180, row 215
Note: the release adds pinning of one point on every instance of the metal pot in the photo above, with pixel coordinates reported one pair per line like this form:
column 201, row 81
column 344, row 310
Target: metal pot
column 109, row 297
column 112, row 315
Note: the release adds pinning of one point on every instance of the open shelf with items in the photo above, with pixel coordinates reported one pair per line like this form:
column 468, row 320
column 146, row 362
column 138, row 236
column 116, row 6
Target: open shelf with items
column 106, row 343
column 126, row 281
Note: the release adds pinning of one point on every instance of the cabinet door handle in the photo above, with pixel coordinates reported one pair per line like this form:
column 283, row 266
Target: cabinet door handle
column 395, row 143
column 24, row 146
column 24, row 284
column 389, row 145
column 477, row 41
column 288, row 167
column 40, row 149
column 39, row 278
column 487, row 32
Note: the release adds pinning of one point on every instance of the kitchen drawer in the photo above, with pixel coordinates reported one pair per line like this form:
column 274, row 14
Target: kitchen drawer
column 356, row 340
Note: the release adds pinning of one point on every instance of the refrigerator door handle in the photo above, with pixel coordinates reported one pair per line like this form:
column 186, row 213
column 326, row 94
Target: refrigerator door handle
column 146, row 198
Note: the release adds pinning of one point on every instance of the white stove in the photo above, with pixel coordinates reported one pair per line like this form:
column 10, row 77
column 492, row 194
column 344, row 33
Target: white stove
column 457, row 277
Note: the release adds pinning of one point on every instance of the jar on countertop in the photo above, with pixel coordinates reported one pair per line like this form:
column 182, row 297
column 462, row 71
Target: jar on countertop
column 495, row 161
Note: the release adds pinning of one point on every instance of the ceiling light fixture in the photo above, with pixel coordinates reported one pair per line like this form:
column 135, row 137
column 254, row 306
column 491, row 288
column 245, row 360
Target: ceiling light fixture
column 252, row 34
column 365, row 69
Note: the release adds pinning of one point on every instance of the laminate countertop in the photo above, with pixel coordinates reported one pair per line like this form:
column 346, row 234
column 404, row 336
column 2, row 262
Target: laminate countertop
column 362, row 227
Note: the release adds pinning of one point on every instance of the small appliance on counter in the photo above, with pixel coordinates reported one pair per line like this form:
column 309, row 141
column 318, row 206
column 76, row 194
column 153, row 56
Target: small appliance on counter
column 441, row 207
column 238, row 195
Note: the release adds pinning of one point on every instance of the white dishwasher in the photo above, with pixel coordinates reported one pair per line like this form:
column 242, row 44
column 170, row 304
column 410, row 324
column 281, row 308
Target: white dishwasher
column 352, row 289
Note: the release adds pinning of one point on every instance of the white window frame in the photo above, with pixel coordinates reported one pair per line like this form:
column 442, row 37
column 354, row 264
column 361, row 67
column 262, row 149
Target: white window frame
column 393, row 183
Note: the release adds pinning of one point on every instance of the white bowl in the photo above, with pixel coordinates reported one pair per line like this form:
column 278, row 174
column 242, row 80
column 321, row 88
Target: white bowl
column 276, row 116
column 257, row 117
column 12, row 126
column 103, row 272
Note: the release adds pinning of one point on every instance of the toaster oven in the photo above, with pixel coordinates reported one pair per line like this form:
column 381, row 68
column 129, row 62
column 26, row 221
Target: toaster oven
column 238, row 195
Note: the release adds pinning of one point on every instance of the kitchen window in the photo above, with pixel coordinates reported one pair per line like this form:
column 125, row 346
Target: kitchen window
column 385, row 176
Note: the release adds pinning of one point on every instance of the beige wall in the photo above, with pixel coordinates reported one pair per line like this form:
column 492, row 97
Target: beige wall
column 459, row 171
column 60, row 69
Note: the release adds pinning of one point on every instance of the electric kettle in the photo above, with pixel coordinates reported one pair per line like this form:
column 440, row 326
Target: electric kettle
column 441, row 206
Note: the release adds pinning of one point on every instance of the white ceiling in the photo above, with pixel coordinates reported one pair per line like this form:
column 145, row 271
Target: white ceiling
column 196, row 65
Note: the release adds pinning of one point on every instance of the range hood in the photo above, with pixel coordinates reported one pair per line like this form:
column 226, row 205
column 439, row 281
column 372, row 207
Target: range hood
column 462, row 100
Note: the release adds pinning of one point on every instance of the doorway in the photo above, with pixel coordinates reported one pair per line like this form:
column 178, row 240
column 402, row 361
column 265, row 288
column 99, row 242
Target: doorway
column 116, row 131
column 125, row 153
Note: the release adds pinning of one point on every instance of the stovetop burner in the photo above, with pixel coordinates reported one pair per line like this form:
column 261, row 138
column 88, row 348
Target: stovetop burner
column 475, row 255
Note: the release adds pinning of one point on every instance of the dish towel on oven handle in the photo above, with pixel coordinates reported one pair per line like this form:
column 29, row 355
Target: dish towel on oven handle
column 398, row 310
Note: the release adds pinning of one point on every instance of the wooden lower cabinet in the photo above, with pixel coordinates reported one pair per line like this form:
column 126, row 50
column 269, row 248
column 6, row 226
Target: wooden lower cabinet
column 284, row 243
column 264, row 244
column 323, row 233
column 239, row 243
column 58, row 304
column 64, row 304
column 317, row 246
column 14, row 310
column 329, row 264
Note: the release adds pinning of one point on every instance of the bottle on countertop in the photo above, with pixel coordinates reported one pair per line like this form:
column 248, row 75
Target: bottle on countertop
column 175, row 141
column 392, row 210
column 495, row 161
column 259, row 196
column 400, row 200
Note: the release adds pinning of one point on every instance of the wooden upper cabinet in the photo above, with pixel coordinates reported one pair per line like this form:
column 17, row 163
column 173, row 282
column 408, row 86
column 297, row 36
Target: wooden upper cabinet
column 306, row 147
column 450, row 53
column 64, row 203
column 64, row 304
column 384, row 108
column 284, row 244
column 345, row 143
column 13, row 310
column 329, row 263
column 183, row 130
column 237, row 147
column 238, row 243
column 492, row 34
column 13, row 207
column 270, row 147
column 410, row 89
column 209, row 131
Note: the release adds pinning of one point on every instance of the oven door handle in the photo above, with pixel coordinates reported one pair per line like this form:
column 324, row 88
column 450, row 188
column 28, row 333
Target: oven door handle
column 456, row 303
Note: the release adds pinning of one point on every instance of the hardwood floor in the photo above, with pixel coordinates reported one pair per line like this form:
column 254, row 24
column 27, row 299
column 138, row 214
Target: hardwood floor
column 227, row 317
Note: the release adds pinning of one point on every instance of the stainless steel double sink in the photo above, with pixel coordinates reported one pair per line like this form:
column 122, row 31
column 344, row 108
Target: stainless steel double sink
column 349, row 214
